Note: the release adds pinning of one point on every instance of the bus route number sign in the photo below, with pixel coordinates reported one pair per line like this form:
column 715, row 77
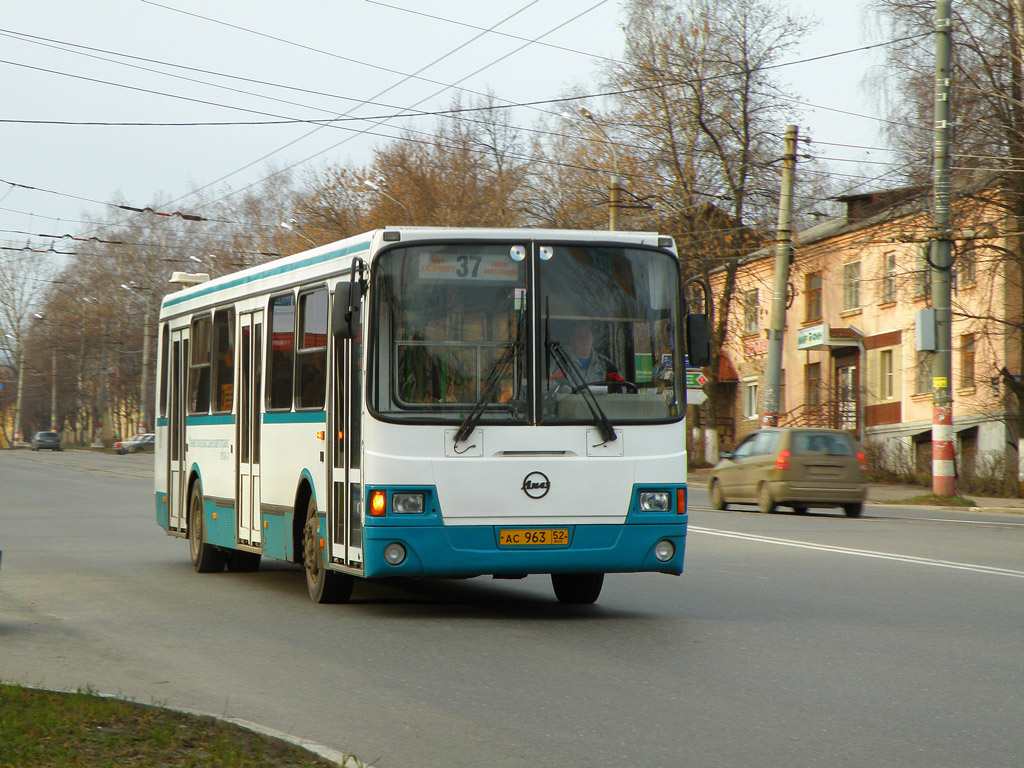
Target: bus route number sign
column 533, row 537
column 462, row 266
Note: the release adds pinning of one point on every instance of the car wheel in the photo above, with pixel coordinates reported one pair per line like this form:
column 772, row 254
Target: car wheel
column 765, row 502
column 577, row 588
column 716, row 498
column 206, row 558
column 853, row 510
column 324, row 586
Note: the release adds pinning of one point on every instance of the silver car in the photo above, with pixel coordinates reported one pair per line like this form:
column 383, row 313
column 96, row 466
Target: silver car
column 793, row 467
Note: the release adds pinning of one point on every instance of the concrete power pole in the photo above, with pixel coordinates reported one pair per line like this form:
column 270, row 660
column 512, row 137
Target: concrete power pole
column 941, row 262
column 783, row 255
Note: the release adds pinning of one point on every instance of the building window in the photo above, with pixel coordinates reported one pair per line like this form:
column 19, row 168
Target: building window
column 889, row 278
column 922, row 275
column 923, row 380
column 750, row 319
column 887, row 378
column 967, row 361
column 851, row 285
column 965, row 263
column 812, row 289
column 750, row 399
column 813, row 384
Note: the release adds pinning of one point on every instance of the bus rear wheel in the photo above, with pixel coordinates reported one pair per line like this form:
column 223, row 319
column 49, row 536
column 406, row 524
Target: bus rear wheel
column 577, row 588
column 324, row 586
column 205, row 557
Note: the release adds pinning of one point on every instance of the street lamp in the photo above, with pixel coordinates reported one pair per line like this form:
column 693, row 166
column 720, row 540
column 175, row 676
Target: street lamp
column 614, row 182
column 147, row 293
column 379, row 189
column 292, row 225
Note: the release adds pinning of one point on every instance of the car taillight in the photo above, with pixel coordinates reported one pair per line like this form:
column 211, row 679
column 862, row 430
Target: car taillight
column 782, row 460
column 863, row 461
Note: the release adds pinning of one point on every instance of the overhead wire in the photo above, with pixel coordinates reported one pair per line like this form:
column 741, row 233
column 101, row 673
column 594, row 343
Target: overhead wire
column 393, row 116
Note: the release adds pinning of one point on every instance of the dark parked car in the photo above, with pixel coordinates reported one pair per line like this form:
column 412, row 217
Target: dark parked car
column 793, row 467
column 46, row 440
column 142, row 442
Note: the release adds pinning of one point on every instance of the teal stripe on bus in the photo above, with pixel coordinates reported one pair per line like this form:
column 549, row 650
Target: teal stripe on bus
column 197, row 421
column 301, row 417
column 270, row 272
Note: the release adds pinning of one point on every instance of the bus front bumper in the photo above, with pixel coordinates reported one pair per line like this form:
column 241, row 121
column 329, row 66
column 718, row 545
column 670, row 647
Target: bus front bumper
column 475, row 550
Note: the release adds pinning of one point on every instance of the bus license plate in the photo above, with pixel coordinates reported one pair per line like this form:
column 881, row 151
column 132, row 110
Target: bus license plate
column 533, row 537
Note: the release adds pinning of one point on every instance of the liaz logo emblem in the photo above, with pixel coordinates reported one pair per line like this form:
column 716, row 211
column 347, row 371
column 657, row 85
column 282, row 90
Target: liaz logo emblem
column 536, row 485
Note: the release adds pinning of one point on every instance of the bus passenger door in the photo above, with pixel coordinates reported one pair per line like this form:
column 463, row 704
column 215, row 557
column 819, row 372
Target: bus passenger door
column 346, row 506
column 250, row 380
column 177, row 470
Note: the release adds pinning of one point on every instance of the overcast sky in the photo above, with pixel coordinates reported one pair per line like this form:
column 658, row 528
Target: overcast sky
column 344, row 51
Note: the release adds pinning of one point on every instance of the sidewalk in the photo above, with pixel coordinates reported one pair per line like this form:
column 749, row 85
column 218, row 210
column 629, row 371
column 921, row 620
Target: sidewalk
column 884, row 493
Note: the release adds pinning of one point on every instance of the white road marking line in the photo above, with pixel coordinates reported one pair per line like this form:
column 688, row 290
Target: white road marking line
column 988, row 570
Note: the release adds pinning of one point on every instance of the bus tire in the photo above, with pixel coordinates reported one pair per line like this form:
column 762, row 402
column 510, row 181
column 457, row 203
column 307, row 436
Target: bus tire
column 206, row 558
column 577, row 588
column 324, row 586
column 243, row 562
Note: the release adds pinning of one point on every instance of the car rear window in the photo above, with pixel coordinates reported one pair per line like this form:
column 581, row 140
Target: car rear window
column 832, row 444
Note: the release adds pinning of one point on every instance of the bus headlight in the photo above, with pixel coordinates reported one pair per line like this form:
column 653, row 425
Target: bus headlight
column 408, row 504
column 664, row 550
column 394, row 553
column 655, row 501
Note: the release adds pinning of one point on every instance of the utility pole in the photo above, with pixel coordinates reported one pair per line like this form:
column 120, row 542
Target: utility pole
column 941, row 262
column 783, row 256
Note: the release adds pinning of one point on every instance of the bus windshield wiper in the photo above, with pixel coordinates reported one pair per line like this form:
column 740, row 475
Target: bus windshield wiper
column 496, row 374
column 579, row 384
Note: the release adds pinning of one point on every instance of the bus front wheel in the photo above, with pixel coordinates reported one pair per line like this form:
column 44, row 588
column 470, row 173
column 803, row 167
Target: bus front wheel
column 206, row 558
column 324, row 586
column 577, row 588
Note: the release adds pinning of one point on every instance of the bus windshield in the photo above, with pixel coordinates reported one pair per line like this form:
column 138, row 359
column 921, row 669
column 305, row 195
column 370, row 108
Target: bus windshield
column 458, row 332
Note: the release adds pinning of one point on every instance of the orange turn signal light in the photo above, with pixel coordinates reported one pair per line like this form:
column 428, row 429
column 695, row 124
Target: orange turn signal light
column 680, row 501
column 378, row 503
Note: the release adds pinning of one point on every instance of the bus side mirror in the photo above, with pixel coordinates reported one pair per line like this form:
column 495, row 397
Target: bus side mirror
column 345, row 318
column 698, row 340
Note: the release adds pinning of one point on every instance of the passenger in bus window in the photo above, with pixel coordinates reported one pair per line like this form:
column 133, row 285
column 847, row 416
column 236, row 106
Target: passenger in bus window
column 225, row 378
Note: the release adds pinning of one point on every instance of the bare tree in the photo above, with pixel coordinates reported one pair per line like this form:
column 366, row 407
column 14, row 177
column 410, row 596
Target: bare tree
column 701, row 104
column 24, row 279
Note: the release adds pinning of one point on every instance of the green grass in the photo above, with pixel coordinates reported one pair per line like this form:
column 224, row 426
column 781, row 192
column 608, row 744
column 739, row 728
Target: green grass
column 45, row 729
column 931, row 500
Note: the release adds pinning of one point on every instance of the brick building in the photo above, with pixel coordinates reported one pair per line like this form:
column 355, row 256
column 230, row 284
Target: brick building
column 851, row 360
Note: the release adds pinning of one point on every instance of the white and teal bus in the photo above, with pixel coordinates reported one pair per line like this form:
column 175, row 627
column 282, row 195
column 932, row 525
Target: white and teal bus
column 411, row 402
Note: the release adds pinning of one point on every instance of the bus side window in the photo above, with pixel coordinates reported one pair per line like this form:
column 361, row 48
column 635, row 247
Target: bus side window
column 224, row 356
column 199, row 367
column 282, row 346
column 311, row 361
column 165, row 356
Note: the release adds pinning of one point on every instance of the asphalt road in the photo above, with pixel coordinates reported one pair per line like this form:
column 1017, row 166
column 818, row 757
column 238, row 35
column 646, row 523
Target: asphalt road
column 892, row 640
